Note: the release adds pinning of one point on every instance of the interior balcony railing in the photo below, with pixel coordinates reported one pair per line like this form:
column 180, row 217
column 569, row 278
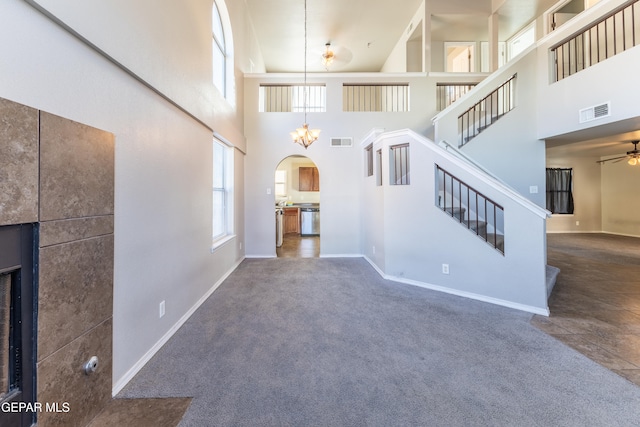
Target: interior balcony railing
column 375, row 97
column 287, row 98
column 448, row 93
column 609, row 36
column 472, row 209
column 486, row 111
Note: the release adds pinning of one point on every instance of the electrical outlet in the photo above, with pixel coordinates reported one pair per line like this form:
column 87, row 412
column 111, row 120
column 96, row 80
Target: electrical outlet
column 374, row 249
column 533, row 189
column 445, row 268
column 161, row 309
column 268, row 190
column 577, row 222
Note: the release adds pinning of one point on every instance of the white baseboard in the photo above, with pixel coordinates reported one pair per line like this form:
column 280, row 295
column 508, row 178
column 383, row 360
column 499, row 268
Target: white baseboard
column 470, row 295
column 341, row 255
column 122, row 381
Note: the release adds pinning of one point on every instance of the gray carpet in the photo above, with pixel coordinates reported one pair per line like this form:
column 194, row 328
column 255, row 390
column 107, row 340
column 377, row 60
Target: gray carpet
column 327, row 342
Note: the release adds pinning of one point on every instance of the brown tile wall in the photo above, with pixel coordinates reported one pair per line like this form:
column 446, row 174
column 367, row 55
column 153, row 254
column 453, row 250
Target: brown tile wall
column 18, row 163
column 75, row 297
column 60, row 173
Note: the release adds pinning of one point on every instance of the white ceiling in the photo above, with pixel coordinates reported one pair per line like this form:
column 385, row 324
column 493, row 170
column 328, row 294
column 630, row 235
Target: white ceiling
column 364, row 32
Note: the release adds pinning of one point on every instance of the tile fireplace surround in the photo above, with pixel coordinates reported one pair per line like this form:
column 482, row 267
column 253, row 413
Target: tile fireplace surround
column 60, row 174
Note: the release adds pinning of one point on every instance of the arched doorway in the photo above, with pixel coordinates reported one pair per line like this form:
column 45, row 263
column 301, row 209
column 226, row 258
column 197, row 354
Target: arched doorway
column 297, row 199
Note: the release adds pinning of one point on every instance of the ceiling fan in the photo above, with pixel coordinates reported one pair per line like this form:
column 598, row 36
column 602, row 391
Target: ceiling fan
column 334, row 55
column 633, row 156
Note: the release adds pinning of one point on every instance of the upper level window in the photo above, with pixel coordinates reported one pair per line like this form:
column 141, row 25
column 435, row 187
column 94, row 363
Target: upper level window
column 222, row 51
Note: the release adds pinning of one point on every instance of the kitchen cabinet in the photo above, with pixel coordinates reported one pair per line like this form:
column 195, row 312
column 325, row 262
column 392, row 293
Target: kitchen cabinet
column 308, row 179
column 291, row 221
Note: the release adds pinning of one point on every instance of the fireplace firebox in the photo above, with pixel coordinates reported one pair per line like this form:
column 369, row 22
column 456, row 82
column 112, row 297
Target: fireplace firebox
column 18, row 310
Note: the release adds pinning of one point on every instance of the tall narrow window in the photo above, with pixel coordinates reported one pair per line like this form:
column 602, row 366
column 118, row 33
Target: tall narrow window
column 222, row 51
column 222, row 191
column 399, row 164
column 379, row 167
column 369, row 156
column 560, row 190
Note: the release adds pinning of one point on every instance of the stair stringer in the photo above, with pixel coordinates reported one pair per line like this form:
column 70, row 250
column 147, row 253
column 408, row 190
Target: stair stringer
column 414, row 238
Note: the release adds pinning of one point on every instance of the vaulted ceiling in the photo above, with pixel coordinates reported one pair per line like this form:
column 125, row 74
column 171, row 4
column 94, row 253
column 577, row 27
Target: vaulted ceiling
column 364, row 32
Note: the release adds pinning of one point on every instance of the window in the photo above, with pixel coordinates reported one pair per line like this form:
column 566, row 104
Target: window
column 222, row 51
column 222, row 192
column 379, row 167
column 281, row 183
column 369, row 156
column 521, row 41
column 399, row 164
column 559, row 190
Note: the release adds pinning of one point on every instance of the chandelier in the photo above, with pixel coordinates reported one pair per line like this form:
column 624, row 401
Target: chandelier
column 303, row 135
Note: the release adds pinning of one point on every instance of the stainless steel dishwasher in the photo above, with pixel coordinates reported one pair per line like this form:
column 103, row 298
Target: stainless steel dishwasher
column 310, row 221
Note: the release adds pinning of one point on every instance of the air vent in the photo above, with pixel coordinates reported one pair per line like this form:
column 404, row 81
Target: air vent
column 342, row 142
column 595, row 112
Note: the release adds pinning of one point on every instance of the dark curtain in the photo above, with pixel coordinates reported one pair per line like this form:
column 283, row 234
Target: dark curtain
column 559, row 195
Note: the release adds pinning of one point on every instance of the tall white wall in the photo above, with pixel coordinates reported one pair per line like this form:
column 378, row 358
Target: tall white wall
column 510, row 147
column 341, row 169
column 163, row 153
column 418, row 238
column 611, row 80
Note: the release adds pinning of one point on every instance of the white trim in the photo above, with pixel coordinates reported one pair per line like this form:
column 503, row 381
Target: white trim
column 260, row 256
column 218, row 243
column 464, row 294
column 128, row 376
column 341, row 255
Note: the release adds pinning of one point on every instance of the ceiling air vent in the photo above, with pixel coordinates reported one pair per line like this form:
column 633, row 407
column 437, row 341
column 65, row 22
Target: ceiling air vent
column 595, row 112
column 342, row 142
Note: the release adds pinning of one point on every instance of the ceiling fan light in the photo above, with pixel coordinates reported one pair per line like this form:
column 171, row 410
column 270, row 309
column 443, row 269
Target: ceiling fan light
column 633, row 161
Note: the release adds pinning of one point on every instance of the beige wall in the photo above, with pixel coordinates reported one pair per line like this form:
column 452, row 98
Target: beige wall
column 620, row 201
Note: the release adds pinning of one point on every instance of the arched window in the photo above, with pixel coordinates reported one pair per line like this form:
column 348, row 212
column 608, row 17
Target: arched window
column 222, row 50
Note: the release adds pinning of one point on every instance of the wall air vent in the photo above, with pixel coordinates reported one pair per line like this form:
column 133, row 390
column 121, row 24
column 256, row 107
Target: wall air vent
column 595, row 112
column 342, row 142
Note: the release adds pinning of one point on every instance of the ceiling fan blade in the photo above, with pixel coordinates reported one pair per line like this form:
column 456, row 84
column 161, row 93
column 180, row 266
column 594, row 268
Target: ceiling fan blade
column 614, row 158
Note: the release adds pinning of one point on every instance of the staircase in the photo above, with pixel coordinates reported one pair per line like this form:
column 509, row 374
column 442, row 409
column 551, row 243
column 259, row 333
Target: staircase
column 472, row 209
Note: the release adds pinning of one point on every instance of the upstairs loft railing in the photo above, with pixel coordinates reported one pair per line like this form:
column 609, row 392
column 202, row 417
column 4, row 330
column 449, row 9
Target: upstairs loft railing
column 486, row 111
column 609, row 36
column 448, row 93
column 291, row 98
column 375, row 97
column 472, row 209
